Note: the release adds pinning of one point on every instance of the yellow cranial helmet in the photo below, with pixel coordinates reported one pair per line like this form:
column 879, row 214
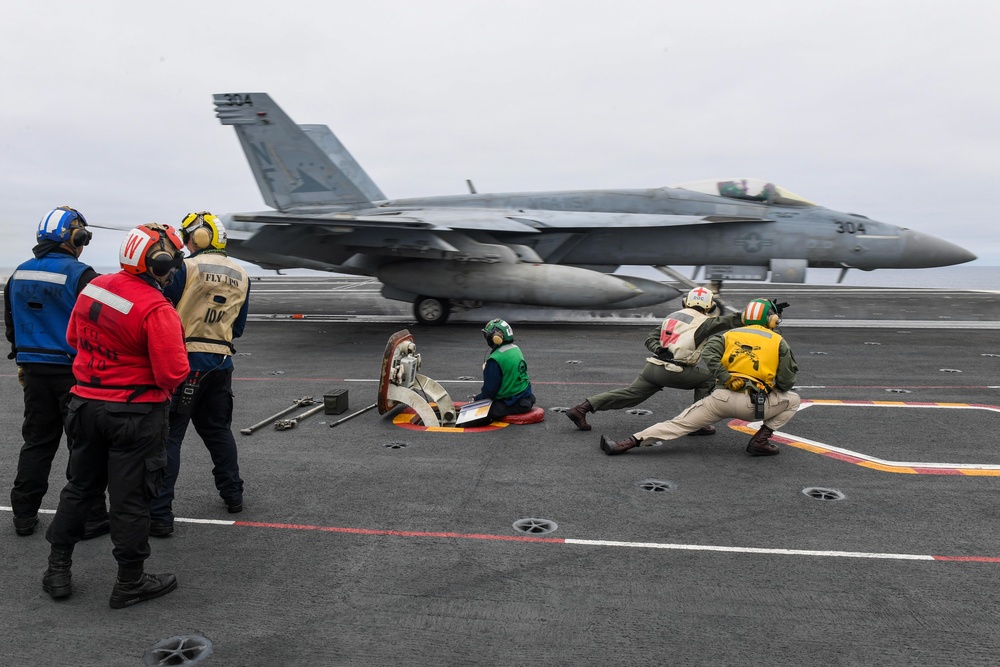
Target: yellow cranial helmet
column 204, row 230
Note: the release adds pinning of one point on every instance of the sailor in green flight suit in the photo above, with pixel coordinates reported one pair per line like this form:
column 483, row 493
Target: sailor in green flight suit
column 505, row 373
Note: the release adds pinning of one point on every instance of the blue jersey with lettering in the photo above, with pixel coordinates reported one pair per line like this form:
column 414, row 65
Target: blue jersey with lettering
column 43, row 291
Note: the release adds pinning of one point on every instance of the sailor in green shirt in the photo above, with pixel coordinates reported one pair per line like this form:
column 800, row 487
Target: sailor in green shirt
column 505, row 373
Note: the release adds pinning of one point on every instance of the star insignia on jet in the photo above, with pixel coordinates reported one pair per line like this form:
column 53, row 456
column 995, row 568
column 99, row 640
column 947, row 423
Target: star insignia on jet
column 753, row 242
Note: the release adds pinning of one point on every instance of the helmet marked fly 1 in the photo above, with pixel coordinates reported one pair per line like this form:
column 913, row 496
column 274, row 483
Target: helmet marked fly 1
column 64, row 225
column 151, row 248
column 699, row 297
column 497, row 332
column 203, row 230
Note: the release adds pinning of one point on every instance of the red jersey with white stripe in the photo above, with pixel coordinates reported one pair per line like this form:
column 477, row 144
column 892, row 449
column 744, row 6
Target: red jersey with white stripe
column 129, row 341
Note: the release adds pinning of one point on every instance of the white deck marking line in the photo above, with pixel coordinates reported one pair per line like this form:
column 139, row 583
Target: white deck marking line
column 592, row 543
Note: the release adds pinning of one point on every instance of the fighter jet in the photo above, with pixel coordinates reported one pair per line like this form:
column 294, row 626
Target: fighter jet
column 540, row 248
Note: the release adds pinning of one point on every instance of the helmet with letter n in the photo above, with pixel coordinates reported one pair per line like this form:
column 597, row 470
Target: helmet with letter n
column 152, row 249
column 497, row 332
column 203, row 230
column 64, row 225
column 700, row 298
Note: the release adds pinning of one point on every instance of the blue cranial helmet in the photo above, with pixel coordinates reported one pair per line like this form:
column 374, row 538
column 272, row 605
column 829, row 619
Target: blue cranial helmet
column 64, row 225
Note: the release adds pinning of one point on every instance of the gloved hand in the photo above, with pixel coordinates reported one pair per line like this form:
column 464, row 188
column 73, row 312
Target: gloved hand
column 20, row 376
column 778, row 307
column 735, row 383
column 663, row 354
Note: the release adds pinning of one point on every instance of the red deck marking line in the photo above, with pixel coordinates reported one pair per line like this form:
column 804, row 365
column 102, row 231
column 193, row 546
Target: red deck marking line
column 593, row 543
column 401, row 533
column 612, row 543
column 832, row 455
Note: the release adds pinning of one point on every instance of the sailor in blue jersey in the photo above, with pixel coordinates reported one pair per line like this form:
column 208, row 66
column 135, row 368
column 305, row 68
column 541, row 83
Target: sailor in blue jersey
column 38, row 300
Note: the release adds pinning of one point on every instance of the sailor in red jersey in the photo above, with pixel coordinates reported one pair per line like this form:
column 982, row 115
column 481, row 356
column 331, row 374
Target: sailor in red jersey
column 130, row 358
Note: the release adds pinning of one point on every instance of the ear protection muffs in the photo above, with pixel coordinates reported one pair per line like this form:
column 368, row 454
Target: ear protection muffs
column 79, row 236
column 201, row 238
column 160, row 261
column 497, row 332
column 203, row 230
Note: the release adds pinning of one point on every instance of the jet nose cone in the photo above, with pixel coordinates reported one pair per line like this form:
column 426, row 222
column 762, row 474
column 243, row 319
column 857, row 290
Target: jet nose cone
column 924, row 251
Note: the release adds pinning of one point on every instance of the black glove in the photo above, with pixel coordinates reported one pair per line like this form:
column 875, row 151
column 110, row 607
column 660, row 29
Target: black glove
column 663, row 354
column 778, row 307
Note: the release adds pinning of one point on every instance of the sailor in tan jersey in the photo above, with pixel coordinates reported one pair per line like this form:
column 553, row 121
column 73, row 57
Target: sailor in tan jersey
column 211, row 293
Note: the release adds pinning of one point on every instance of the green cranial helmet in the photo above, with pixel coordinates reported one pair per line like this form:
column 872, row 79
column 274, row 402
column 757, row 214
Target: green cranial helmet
column 497, row 332
column 761, row 312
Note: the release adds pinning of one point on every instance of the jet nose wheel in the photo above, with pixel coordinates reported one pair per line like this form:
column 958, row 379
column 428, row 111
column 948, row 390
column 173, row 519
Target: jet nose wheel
column 431, row 311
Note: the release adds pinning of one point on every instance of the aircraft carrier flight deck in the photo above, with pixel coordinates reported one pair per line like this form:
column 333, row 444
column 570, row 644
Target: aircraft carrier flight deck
column 870, row 539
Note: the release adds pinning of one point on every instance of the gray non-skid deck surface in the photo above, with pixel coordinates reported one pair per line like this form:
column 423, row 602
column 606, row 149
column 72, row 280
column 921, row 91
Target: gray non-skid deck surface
column 416, row 579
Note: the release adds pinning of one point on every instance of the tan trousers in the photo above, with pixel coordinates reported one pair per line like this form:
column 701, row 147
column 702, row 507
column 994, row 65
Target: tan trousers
column 723, row 404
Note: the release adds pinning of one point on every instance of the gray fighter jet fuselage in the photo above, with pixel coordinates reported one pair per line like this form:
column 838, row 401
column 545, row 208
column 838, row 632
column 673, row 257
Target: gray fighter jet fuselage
column 822, row 237
column 540, row 248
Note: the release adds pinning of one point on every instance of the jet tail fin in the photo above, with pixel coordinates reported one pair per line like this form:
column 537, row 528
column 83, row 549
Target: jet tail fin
column 294, row 165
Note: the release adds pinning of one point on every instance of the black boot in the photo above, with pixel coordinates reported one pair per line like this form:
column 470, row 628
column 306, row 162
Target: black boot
column 133, row 585
column 578, row 415
column 759, row 444
column 58, row 580
column 25, row 525
column 610, row 447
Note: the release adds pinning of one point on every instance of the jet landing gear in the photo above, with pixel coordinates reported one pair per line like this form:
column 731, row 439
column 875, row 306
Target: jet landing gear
column 431, row 311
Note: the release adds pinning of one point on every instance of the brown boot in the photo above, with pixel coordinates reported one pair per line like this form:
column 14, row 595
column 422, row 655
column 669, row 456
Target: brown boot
column 704, row 430
column 578, row 415
column 759, row 444
column 610, row 447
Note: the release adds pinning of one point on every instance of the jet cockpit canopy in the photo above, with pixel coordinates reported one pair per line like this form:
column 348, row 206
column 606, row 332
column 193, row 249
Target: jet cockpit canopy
column 748, row 189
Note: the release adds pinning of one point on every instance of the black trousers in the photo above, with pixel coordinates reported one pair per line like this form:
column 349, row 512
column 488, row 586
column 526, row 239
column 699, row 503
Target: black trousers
column 212, row 416
column 500, row 409
column 46, row 395
column 121, row 446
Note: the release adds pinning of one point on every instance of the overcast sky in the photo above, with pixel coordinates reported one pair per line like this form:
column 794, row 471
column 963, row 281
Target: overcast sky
column 888, row 108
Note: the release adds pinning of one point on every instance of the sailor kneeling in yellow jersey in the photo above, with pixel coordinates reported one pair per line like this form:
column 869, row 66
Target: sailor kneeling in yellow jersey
column 750, row 361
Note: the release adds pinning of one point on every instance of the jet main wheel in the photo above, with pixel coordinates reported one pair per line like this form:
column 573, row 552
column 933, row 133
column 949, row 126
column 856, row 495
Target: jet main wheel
column 431, row 311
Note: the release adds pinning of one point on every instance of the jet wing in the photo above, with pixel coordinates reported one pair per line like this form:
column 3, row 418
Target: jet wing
column 488, row 219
